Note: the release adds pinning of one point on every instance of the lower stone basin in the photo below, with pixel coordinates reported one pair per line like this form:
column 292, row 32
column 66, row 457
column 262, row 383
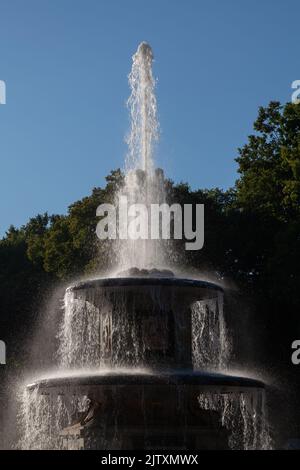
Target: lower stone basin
column 142, row 410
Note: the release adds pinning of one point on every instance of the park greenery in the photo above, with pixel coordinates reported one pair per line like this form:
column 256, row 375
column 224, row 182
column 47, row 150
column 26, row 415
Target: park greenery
column 252, row 234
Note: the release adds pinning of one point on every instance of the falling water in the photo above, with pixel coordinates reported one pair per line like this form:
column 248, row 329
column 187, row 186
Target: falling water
column 84, row 339
column 79, row 334
column 243, row 415
column 211, row 345
column 44, row 416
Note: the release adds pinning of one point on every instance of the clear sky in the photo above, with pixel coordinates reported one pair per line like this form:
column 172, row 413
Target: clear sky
column 65, row 64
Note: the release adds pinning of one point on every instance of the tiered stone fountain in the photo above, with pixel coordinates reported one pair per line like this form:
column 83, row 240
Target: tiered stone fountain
column 147, row 393
column 132, row 345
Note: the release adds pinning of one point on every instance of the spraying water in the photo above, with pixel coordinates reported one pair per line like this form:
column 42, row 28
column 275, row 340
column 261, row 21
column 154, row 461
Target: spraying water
column 143, row 112
column 143, row 183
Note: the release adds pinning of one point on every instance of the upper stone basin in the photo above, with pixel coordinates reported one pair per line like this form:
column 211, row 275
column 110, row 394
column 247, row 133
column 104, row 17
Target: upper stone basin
column 202, row 379
column 134, row 278
column 144, row 315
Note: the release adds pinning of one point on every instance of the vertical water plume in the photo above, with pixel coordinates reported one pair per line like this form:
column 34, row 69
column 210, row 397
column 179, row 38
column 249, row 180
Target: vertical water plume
column 143, row 112
column 144, row 185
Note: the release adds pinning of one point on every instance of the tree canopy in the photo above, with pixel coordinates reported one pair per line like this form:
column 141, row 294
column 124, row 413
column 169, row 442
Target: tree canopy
column 251, row 230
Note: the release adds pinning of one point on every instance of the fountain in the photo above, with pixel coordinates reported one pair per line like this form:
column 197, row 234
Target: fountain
column 141, row 352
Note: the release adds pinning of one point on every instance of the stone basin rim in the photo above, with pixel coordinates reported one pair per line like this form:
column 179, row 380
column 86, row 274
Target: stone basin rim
column 197, row 378
column 146, row 282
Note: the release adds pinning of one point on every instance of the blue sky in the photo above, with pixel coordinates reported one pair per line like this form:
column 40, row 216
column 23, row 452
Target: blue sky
column 65, row 64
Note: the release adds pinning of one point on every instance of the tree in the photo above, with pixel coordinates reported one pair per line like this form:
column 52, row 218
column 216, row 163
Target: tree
column 269, row 164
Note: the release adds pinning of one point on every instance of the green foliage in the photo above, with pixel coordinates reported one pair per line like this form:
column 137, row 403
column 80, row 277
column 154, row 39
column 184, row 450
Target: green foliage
column 47, row 249
column 269, row 164
column 66, row 245
column 251, row 230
